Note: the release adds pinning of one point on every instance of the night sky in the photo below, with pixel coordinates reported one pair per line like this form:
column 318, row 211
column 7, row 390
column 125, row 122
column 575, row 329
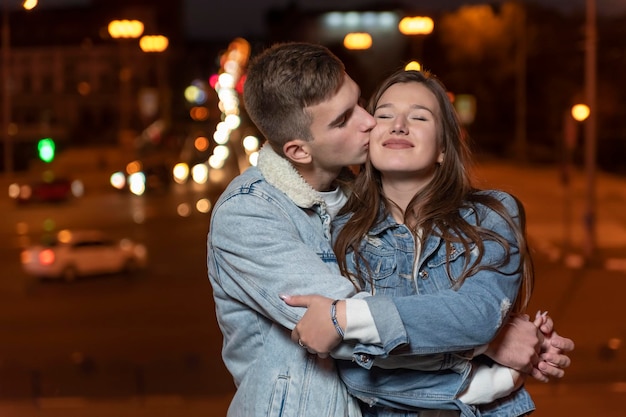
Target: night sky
column 229, row 19
column 207, row 19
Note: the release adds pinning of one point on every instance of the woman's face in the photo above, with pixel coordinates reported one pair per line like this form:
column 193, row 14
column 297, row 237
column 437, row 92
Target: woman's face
column 404, row 141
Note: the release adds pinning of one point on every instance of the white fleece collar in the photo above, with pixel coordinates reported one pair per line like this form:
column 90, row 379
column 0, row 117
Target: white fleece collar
column 281, row 174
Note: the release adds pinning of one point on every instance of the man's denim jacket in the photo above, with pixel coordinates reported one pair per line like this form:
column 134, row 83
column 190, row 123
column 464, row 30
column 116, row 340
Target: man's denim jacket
column 444, row 318
column 270, row 235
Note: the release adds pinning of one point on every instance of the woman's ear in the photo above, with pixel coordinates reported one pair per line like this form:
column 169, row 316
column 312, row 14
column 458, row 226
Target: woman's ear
column 441, row 157
column 298, row 151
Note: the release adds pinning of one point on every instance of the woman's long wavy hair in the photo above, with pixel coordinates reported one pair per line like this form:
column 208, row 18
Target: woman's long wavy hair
column 436, row 208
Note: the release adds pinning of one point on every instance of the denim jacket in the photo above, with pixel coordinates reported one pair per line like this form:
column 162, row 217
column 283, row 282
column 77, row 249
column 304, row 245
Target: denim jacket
column 270, row 235
column 465, row 317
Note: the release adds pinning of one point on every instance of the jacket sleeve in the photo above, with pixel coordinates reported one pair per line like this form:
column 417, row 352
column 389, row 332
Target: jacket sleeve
column 256, row 255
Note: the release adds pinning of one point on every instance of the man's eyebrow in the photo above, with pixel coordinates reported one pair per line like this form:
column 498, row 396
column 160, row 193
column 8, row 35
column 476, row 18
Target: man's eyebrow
column 340, row 119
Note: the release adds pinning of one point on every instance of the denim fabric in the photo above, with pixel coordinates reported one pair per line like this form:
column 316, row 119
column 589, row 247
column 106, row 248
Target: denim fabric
column 465, row 318
column 265, row 241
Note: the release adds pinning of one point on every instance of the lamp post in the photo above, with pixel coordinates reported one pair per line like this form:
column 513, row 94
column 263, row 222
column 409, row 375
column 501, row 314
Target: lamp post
column 590, row 129
column 123, row 30
column 578, row 113
column 7, row 83
column 6, row 91
column 418, row 27
column 157, row 44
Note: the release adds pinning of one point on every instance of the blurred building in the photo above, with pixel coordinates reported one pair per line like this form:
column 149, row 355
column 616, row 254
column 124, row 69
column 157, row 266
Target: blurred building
column 69, row 79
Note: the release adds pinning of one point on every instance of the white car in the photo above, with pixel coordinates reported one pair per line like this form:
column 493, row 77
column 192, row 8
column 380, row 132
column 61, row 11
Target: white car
column 80, row 253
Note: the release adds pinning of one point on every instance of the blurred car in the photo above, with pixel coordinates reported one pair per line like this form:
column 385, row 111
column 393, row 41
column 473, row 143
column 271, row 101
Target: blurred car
column 54, row 191
column 79, row 253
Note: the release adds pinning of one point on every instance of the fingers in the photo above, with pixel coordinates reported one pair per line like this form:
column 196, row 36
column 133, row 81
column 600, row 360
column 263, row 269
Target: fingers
column 295, row 338
column 550, row 371
column 296, row 300
column 539, row 320
column 538, row 375
column 295, row 335
column 560, row 342
column 544, row 322
column 556, row 359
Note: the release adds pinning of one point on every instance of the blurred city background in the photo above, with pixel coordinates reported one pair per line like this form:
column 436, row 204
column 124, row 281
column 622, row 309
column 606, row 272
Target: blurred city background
column 124, row 118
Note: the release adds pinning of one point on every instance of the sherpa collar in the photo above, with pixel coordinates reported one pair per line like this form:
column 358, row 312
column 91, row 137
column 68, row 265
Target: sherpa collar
column 282, row 175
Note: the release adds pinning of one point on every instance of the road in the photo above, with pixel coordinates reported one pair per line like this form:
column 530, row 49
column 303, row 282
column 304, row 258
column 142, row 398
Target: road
column 149, row 333
column 150, row 345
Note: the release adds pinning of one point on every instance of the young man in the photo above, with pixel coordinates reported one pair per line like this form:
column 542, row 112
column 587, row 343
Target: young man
column 270, row 234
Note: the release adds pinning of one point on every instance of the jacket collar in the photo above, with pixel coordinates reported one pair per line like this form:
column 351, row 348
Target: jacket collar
column 387, row 221
column 281, row 174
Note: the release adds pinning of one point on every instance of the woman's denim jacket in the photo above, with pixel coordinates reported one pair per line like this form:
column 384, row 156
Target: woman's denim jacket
column 464, row 317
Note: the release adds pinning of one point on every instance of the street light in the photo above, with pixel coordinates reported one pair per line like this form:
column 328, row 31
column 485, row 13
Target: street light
column 123, row 30
column 590, row 127
column 418, row 27
column 578, row 113
column 129, row 29
column 153, row 43
column 357, row 41
column 156, row 44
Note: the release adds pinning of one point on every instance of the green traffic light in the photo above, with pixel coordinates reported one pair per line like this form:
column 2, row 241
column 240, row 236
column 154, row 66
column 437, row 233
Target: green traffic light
column 46, row 149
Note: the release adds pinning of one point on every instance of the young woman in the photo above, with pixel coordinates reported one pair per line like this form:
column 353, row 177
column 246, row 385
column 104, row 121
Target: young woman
column 415, row 225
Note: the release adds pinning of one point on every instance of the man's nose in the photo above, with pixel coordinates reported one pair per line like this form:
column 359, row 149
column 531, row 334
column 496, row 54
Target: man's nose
column 369, row 121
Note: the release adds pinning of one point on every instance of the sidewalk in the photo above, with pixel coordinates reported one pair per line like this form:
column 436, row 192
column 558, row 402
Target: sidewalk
column 584, row 297
column 556, row 214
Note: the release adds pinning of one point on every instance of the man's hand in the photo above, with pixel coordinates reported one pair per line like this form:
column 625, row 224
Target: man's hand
column 315, row 331
column 517, row 345
column 532, row 347
column 553, row 358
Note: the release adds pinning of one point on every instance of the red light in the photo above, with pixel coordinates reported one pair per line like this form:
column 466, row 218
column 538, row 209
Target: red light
column 213, row 80
column 46, row 257
column 240, row 83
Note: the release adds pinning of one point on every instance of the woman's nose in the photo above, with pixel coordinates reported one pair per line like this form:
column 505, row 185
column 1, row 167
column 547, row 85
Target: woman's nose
column 399, row 126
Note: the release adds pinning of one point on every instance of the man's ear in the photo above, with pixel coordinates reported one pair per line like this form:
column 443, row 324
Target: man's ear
column 298, row 151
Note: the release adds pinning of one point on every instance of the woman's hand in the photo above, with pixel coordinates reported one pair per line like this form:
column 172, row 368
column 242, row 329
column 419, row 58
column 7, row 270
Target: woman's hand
column 316, row 331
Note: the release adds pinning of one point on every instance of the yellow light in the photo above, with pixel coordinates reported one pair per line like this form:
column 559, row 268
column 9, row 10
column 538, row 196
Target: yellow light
column 203, row 205
column 201, row 143
column 180, row 172
column 125, row 29
column 251, row 143
column 29, row 4
column 64, row 236
column 580, row 112
column 133, row 167
column 417, row 25
column 357, row 41
column 153, row 43
column 199, row 113
column 413, row 66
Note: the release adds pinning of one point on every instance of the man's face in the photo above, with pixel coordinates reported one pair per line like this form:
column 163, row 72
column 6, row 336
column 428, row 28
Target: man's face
column 340, row 129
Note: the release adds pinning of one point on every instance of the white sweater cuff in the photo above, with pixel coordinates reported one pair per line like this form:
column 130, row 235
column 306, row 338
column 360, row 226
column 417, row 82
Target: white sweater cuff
column 360, row 324
column 488, row 383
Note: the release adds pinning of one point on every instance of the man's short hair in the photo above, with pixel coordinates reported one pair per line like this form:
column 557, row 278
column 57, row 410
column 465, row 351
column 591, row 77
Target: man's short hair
column 282, row 82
